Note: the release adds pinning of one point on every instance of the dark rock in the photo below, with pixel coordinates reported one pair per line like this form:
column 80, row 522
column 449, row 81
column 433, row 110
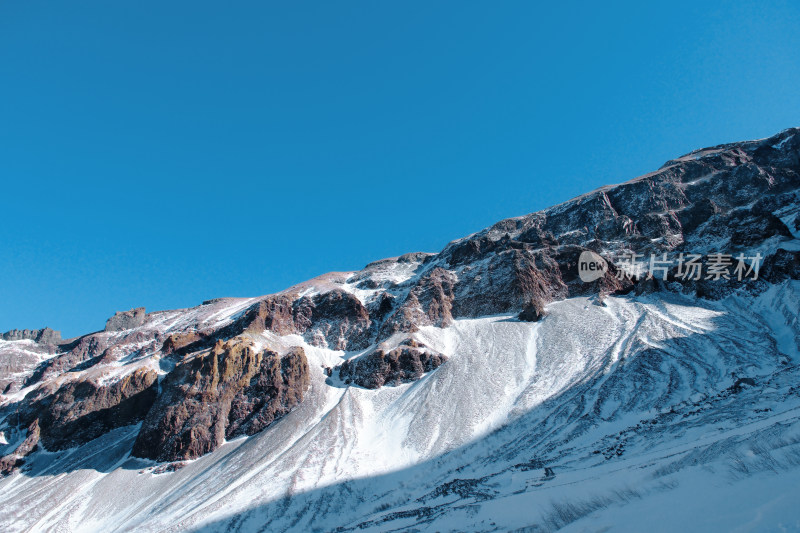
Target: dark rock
column 464, row 489
column 781, row 265
column 533, row 312
column 743, row 227
column 469, row 250
column 14, row 460
column 385, row 305
column 123, row 320
column 695, row 215
column 509, row 281
column 741, row 383
column 233, row 389
column 76, row 354
column 79, row 411
column 415, row 257
column 276, row 313
column 169, row 467
column 9, row 464
column 430, row 302
column 405, row 363
column 335, row 319
column 538, row 237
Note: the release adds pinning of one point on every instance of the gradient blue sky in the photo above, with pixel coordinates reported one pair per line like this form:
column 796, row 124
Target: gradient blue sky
column 162, row 153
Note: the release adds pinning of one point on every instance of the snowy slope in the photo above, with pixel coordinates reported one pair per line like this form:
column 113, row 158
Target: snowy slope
column 629, row 404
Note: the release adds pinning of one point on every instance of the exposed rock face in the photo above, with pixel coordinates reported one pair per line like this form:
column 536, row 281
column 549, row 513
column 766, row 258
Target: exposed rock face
column 10, row 462
column 123, row 320
column 405, row 363
column 80, row 353
column 276, row 313
column 82, row 410
column 18, row 361
column 43, row 336
column 335, row 319
column 234, row 389
column 429, row 302
column 533, row 312
column 178, row 342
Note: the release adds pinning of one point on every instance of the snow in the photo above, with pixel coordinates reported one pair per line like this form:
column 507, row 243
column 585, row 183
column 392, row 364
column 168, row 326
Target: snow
column 628, row 404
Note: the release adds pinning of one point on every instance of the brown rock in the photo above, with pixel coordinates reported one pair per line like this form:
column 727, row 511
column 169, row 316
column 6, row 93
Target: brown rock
column 178, row 342
column 405, row 363
column 229, row 390
column 14, row 460
column 80, row 411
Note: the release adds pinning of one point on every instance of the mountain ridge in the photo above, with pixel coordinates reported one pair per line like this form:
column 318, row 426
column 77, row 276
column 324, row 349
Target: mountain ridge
column 183, row 384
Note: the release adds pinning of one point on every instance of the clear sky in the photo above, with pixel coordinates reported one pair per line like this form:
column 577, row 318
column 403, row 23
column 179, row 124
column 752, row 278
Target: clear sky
column 161, row 153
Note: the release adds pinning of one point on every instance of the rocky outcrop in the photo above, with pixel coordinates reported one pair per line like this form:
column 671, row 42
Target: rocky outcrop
column 429, row 302
column 81, row 410
column 334, row 319
column 407, row 362
column 70, row 356
column 42, row 336
column 123, row 320
column 15, row 459
column 507, row 281
column 236, row 388
column 183, row 342
column 533, row 312
column 275, row 313
column 699, row 203
column 18, row 361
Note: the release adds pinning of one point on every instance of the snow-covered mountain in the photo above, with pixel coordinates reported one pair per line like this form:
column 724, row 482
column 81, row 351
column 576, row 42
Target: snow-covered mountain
column 484, row 388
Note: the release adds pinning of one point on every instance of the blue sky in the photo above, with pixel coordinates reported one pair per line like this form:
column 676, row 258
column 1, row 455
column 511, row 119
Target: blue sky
column 163, row 153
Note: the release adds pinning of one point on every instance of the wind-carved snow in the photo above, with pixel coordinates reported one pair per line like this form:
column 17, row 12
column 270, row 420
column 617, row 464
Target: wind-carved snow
column 631, row 404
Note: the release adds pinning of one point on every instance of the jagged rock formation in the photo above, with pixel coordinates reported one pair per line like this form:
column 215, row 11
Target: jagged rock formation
column 405, row 363
column 232, row 367
column 43, row 336
column 79, row 411
column 123, row 320
column 334, row 318
column 12, row 461
column 234, row 389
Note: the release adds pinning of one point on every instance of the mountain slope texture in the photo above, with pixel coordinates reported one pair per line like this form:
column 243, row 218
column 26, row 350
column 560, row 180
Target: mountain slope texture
column 627, row 361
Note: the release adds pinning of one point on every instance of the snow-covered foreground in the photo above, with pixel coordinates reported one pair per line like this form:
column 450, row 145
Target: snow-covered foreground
column 627, row 416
